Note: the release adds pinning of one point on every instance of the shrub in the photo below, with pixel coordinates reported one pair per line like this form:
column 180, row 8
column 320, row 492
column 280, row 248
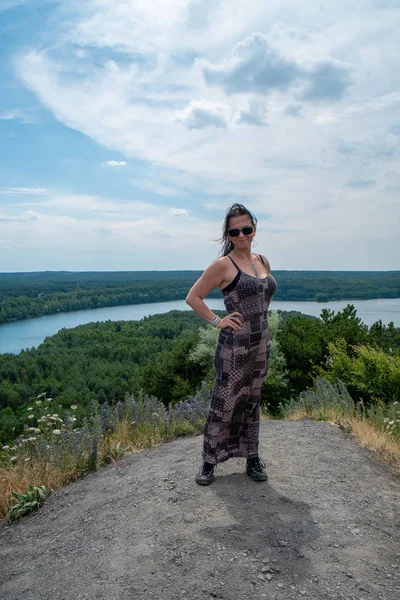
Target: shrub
column 26, row 503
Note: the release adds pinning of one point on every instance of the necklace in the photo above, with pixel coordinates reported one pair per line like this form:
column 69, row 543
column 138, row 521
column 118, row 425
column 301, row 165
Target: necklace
column 253, row 266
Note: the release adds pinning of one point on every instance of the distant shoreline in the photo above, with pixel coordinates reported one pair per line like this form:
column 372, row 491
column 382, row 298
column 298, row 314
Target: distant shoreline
column 28, row 295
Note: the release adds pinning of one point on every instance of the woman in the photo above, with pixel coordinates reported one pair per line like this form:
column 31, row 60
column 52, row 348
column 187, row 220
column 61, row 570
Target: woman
column 241, row 357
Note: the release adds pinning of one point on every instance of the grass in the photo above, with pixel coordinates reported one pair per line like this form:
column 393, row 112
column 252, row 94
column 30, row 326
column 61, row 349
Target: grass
column 376, row 427
column 53, row 451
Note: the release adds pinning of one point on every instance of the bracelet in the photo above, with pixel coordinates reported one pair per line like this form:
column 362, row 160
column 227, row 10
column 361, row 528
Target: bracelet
column 215, row 320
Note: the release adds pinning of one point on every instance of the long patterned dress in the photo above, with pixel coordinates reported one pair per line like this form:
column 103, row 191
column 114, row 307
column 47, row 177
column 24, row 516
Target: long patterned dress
column 241, row 363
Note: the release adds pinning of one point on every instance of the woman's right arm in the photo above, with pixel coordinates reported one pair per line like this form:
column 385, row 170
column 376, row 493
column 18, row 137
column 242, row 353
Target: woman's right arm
column 212, row 277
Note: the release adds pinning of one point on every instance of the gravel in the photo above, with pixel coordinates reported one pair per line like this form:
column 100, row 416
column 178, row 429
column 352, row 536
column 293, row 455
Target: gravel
column 326, row 525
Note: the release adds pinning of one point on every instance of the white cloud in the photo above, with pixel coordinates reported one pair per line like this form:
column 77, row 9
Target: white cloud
column 105, row 225
column 29, row 215
column 24, row 191
column 254, row 113
column 178, row 212
column 175, row 83
column 202, row 113
column 115, row 163
column 18, row 114
column 254, row 65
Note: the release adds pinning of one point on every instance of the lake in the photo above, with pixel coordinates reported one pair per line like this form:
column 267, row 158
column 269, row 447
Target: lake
column 29, row 333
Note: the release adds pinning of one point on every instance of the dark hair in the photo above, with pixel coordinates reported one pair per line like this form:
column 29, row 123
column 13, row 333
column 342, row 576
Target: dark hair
column 236, row 210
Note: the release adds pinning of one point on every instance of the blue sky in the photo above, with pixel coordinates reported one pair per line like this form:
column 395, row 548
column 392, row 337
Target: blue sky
column 128, row 127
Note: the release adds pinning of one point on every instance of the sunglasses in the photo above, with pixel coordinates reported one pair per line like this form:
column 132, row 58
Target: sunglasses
column 245, row 230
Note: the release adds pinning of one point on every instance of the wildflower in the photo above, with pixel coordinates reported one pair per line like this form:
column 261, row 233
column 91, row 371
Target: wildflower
column 26, row 460
column 391, row 422
column 73, row 419
column 30, row 408
column 56, row 431
column 38, row 402
column 13, row 459
column 55, row 415
column 5, row 447
column 31, row 416
column 74, row 406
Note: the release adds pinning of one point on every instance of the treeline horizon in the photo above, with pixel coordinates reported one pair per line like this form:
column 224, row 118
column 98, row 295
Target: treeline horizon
column 25, row 295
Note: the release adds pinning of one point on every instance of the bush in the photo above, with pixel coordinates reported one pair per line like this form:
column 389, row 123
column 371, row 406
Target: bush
column 371, row 373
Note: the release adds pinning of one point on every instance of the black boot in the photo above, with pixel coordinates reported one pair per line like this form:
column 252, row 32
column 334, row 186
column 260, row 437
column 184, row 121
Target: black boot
column 206, row 474
column 255, row 469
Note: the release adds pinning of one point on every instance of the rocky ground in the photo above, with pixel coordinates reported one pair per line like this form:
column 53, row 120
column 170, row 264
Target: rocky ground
column 326, row 525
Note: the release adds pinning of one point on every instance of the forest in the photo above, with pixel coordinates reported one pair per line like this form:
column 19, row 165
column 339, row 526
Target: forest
column 169, row 356
column 27, row 295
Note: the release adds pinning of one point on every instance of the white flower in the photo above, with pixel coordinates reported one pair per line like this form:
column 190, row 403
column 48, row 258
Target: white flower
column 5, row 447
column 13, row 458
column 73, row 419
column 55, row 415
column 56, row 431
column 38, row 402
column 391, row 422
column 74, row 406
column 31, row 416
column 30, row 408
column 26, row 460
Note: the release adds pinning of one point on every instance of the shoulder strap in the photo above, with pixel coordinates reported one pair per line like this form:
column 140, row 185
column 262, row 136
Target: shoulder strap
column 262, row 260
column 234, row 263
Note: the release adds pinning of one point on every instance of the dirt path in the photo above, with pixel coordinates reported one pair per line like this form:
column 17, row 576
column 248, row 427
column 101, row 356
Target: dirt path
column 325, row 526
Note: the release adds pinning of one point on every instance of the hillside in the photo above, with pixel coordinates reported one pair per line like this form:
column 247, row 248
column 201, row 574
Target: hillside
column 324, row 527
